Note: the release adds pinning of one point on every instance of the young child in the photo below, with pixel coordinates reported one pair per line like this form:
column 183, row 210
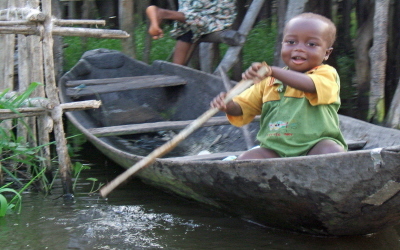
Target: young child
column 298, row 104
column 193, row 19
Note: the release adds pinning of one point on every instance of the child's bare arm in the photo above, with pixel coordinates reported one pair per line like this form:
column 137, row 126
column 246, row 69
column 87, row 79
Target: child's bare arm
column 231, row 108
column 292, row 78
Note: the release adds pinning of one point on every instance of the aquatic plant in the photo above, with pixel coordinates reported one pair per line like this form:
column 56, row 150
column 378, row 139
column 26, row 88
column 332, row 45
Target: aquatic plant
column 6, row 206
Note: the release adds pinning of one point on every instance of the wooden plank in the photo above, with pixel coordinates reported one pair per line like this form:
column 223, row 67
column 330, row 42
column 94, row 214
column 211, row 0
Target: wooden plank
column 177, row 125
column 353, row 145
column 107, row 85
column 155, row 126
column 138, row 79
column 215, row 156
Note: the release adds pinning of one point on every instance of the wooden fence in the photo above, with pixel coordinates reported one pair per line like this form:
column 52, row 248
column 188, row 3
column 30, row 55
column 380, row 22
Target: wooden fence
column 26, row 38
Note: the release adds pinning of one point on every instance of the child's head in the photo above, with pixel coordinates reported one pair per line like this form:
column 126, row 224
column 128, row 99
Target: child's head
column 307, row 41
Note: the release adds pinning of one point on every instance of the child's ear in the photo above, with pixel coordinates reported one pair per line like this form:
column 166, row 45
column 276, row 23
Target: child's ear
column 328, row 53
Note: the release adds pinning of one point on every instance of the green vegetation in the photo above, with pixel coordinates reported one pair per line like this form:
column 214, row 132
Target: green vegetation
column 14, row 204
column 259, row 46
column 77, row 169
column 18, row 159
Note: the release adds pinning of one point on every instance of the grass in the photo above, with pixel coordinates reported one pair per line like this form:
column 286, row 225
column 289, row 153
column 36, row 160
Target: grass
column 18, row 159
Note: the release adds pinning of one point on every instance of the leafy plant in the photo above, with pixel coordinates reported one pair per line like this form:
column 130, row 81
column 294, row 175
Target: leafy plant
column 77, row 168
column 14, row 204
column 94, row 180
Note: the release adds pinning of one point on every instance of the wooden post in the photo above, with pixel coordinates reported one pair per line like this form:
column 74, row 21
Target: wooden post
column 126, row 20
column 52, row 93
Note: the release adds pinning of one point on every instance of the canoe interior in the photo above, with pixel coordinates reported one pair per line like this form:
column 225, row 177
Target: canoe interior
column 175, row 103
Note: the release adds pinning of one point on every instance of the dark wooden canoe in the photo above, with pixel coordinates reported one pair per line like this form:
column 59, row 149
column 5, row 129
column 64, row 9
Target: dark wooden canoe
column 350, row 193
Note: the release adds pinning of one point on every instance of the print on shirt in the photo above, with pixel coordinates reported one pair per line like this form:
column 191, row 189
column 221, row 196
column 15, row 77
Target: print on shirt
column 281, row 128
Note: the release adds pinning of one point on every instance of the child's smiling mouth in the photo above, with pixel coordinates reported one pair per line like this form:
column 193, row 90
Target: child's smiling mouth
column 298, row 59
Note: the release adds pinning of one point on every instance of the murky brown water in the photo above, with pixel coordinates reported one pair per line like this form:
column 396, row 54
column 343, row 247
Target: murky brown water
column 137, row 216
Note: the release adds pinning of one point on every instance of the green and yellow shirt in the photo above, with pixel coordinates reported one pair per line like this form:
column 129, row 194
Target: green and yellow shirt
column 293, row 121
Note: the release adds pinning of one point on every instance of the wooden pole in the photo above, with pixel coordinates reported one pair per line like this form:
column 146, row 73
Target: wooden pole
column 232, row 55
column 245, row 128
column 38, row 111
column 126, row 20
column 52, row 93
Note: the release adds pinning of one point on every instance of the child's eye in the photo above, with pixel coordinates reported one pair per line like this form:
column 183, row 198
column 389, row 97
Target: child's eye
column 312, row 44
column 291, row 42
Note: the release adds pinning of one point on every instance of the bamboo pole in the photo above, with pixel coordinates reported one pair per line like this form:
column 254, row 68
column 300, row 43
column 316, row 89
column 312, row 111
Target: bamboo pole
column 65, row 31
column 52, row 93
column 37, row 111
column 63, row 22
column 87, row 32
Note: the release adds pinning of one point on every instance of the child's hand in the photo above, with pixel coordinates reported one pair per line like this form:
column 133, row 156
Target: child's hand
column 218, row 102
column 252, row 72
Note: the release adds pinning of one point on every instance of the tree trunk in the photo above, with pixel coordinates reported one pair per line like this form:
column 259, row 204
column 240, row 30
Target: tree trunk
column 376, row 112
column 393, row 120
column 362, row 44
column 393, row 64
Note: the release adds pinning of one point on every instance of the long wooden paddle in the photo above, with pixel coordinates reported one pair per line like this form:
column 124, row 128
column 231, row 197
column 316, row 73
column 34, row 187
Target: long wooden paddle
column 168, row 146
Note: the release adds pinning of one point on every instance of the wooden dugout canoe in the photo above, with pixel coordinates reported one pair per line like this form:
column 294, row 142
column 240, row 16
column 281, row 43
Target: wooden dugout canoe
column 350, row 193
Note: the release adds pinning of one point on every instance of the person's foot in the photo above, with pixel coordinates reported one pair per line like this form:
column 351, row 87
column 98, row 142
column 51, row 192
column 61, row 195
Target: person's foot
column 152, row 13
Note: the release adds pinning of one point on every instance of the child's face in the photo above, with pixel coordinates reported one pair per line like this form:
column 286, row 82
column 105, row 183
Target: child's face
column 305, row 44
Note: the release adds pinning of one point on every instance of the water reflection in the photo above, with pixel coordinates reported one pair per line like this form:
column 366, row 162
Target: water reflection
column 136, row 216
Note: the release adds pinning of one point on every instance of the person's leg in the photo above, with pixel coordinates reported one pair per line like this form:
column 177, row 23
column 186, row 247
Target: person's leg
column 181, row 52
column 157, row 15
column 258, row 153
column 326, row 147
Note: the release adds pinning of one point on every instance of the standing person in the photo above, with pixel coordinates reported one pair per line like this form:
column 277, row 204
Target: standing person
column 194, row 18
column 298, row 104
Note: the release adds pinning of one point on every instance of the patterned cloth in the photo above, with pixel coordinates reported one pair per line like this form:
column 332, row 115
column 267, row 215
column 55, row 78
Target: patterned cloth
column 204, row 17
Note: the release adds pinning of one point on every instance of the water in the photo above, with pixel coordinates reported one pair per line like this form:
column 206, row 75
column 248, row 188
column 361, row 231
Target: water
column 137, row 216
